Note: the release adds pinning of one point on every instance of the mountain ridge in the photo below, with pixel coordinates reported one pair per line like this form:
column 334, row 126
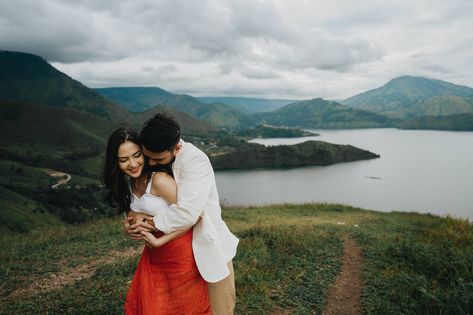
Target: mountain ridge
column 320, row 113
column 29, row 78
column 402, row 97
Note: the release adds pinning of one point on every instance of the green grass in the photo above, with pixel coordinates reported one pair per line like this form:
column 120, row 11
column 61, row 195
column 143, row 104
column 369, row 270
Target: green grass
column 22, row 214
column 417, row 264
column 287, row 258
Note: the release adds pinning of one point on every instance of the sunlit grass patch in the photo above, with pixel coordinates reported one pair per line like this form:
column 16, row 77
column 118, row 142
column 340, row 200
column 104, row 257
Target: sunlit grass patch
column 417, row 264
column 288, row 267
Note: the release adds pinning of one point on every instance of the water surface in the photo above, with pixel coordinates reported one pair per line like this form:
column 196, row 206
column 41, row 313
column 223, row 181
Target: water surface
column 422, row 171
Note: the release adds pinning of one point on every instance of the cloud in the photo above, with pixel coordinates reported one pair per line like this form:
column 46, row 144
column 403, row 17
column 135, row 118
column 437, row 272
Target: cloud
column 283, row 48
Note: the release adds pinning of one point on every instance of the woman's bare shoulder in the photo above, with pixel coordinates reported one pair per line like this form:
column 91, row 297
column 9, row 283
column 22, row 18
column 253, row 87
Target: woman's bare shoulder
column 162, row 179
column 164, row 186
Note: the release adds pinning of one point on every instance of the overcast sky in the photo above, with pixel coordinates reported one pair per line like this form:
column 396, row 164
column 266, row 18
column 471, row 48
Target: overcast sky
column 275, row 49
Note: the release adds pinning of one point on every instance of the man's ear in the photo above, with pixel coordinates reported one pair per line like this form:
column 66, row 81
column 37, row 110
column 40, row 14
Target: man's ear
column 178, row 147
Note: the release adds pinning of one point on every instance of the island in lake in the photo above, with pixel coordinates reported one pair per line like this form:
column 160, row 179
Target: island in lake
column 253, row 155
column 268, row 131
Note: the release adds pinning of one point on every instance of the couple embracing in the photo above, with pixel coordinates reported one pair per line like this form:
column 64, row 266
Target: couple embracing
column 167, row 188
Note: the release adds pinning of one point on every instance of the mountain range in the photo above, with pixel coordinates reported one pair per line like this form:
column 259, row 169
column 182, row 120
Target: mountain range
column 403, row 98
column 50, row 122
column 137, row 99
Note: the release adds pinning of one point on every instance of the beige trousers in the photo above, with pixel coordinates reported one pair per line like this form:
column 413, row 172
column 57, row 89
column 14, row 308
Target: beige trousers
column 222, row 294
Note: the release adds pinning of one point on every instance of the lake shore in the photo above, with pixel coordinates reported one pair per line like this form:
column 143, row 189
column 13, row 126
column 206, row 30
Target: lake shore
column 423, row 171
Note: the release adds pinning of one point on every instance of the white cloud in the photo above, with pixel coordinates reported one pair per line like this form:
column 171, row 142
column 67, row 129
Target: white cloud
column 278, row 48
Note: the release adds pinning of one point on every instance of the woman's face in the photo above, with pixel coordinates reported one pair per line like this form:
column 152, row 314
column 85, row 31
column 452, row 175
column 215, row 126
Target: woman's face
column 130, row 159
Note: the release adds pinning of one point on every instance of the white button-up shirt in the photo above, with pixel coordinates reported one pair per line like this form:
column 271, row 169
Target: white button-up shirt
column 213, row 244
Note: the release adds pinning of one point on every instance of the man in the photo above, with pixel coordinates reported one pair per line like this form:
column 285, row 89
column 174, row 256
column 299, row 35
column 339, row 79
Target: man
column 214, row 246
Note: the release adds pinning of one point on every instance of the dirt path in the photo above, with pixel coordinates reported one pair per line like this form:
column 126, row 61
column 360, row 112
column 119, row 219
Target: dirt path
column 69, row 275
column 345, row 294
column 63, row 178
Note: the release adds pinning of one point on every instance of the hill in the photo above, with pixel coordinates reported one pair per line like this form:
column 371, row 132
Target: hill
column 225, row 117
column 189, row 124
column 29, row 78
column 143, row 98
column 288, row 258
column 459, row 122
column 247, row 105
column 136, row 99
column 319, row 113
column 31, row 214
column 444, row 105
column 409, row 96
column 255, row 155
column 55, row 137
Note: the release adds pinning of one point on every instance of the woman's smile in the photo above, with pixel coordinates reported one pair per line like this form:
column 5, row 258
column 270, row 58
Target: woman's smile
column 130, row 159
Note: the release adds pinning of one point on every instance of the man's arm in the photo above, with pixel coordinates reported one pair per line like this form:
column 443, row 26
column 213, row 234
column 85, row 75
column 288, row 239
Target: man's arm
column 194, row 184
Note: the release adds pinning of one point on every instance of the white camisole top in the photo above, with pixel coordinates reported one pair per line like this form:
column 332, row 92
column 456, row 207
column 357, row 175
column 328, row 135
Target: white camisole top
column 148, row 203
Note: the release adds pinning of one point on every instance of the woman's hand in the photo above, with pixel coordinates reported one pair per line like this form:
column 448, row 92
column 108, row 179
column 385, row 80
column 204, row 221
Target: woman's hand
column 134, row 224
column 136, row 217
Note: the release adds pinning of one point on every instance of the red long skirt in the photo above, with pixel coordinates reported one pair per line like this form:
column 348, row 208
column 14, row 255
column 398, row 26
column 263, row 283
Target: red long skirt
column 167, row 281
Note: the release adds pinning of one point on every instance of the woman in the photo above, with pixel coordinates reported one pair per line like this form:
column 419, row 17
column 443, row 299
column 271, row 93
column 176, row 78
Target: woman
column 166, row 280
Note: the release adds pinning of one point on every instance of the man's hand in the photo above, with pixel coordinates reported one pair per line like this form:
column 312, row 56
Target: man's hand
column 134, row 224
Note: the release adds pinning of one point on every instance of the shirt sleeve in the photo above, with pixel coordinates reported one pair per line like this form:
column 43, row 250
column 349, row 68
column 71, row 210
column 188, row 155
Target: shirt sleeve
column 193, row 189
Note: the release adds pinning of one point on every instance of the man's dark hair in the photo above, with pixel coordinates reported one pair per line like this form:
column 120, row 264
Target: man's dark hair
column 160, row 133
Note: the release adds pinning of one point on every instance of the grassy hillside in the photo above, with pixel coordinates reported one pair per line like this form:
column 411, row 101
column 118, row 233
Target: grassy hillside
column 288, row 257
column 246, row 104
column 29, row 78
column 225, row 117
column 402, row 97
column 20, row 213
column 319, row 113
column 459, row 122
column 50, row 136
column 144, row 98
column 136, row 99
column 445, row 105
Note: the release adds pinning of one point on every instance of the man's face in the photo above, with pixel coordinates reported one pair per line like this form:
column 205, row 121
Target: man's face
column 161, row 158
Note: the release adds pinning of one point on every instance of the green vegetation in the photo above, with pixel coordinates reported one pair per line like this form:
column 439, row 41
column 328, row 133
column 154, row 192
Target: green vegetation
column 225, row 117
column 445, row 105
column 459, row 122
column 264, row 131
column 138, row 99
column 417, row 264
column 409, row 96
column 247, row 105
column 287, row 258
column 29, row 78
column 319, row 113
column 252, row 155
column 22, row 214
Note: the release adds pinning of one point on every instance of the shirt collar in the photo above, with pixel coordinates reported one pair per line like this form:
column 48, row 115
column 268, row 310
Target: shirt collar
column 178, row 160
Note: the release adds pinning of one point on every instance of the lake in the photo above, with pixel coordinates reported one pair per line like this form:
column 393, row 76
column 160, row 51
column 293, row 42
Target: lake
column 421, row 171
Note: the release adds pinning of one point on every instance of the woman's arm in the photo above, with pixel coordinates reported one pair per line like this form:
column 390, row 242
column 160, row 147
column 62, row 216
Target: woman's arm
column 164, row 186
column 154, row 241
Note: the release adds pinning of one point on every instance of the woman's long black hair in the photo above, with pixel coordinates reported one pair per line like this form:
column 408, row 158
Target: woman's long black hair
column 115, row 181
